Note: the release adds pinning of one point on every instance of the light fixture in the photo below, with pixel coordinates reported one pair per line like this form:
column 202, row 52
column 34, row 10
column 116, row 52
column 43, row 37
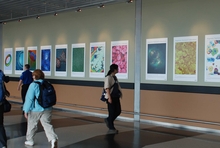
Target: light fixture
column 101, row 6
column 37, row 17
column 19, row 20
column 55, row 14
column 130, row 1
column 78, row 10
column 4, row 23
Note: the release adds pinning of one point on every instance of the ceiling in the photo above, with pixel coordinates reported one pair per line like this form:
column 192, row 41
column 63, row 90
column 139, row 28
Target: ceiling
column 19, row 9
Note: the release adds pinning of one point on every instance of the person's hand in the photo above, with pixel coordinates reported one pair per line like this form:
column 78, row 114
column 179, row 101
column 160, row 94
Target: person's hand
column 109, row 100
column 26, row 115
column 18, row 88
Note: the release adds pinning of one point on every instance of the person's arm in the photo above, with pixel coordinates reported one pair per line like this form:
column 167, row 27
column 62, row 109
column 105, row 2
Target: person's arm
column 19, row 84
column 108, row 94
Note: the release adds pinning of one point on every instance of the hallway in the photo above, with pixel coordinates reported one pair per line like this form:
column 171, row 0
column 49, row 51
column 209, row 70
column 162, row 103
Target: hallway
column 81, row 131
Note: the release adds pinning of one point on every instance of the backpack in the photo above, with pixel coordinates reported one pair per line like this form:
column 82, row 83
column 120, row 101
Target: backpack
column 47, row 96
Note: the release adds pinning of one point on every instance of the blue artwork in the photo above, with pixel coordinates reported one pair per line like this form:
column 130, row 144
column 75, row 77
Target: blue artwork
column 61, row 59
column 19, row 60
column 45, row 60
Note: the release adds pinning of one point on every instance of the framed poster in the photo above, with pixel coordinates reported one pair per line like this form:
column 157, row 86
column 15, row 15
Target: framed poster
column 119, row 56
column 185, row 63
column 45, row 59
column 32, row 57
column 61, row 60
column 97, row 60
column 78, row 60
column 212, row 58
column 156, row 59
column 8, row 60
column 19, row 60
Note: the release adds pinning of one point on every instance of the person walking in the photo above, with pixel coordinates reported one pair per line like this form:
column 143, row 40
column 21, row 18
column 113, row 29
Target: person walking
column 113, row 95
column 34, row 113
column 25, row 81
column 3, row 138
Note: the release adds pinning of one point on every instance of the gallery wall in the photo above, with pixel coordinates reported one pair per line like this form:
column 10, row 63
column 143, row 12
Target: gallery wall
column 183, row 18
column 175, row 101
column 92, row 25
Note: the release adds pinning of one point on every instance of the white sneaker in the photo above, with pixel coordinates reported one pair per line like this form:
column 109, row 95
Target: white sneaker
column 4, row 147
column 54, row 143
column 30, row 143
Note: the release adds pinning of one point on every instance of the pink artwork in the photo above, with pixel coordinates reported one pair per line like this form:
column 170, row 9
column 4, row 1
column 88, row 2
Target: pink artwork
column 119, row 57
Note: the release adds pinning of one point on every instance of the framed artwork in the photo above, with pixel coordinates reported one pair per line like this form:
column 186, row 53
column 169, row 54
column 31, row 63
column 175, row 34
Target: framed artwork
column 78, row 60
column 19, row 60
column 97, row 60
column 185, row 61
column 156, row 59
column 119, row 56
column 32, row 57
column 212, row 58
column 8, row 60
column 45, row 59
column 61, row 60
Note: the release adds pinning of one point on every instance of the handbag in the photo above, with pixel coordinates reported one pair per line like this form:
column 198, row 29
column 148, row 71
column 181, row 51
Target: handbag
column 103, row 94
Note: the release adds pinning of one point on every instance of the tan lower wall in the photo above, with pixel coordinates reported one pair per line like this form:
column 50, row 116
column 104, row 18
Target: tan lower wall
column 176, row 107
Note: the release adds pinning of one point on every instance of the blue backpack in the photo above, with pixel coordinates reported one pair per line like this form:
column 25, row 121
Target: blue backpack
column 47, row 96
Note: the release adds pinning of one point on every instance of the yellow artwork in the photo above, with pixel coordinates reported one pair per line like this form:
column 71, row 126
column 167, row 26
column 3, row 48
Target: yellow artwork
column 185, row 61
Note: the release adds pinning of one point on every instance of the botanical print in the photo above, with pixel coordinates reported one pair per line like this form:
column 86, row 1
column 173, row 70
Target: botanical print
column 119, row 56
column 97, row 59
column 185, row 58
column 212, row 58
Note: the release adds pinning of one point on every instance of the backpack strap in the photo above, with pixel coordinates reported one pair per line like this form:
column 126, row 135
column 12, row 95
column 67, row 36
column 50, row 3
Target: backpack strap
column 40, row 88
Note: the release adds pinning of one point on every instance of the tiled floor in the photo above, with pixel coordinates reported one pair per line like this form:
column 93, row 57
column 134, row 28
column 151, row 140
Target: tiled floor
column 80, row 131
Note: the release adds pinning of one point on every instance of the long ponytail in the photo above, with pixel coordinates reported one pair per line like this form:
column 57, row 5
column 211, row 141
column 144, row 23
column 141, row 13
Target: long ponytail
column 112, row 68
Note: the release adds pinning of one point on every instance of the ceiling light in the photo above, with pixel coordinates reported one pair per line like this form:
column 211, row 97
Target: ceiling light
column 19, row 20
column 101, row 6
column 78, row 10
column 130, row 1
column 37, row 17
column 4, row 23
column 55, row 14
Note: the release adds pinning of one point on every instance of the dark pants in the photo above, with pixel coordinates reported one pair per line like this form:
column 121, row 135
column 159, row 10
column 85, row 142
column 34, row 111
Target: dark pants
column 114, row 110
column 24, row 91
column 3, row 138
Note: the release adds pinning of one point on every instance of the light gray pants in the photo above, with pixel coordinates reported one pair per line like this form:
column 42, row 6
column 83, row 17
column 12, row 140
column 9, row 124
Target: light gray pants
column 45, row 119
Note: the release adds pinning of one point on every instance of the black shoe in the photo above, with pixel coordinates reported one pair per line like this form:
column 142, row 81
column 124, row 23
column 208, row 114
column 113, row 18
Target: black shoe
column 106, row 122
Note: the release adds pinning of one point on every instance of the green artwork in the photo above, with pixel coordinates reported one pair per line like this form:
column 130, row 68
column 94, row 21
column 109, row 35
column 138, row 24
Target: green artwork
column 78, row 59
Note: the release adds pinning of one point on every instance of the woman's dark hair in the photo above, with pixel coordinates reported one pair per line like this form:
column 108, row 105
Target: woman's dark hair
column 112, row 68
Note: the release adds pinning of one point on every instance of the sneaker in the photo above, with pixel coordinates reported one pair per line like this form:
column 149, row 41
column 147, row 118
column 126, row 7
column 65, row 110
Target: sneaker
column 112, row 131
column 4, row 147
column 106, row 122
column 54, row 143
column 30, row 143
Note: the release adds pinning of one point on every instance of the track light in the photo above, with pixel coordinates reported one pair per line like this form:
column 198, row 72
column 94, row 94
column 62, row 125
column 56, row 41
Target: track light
column 19, row 20
column 101, row 6
column 130, row 1
column 37, row 17
column 55, row 14
column 4, row 23
column 78, row 10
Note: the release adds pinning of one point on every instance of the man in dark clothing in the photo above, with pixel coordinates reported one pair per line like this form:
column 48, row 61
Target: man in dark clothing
column 25, row 81
column 3, row 138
